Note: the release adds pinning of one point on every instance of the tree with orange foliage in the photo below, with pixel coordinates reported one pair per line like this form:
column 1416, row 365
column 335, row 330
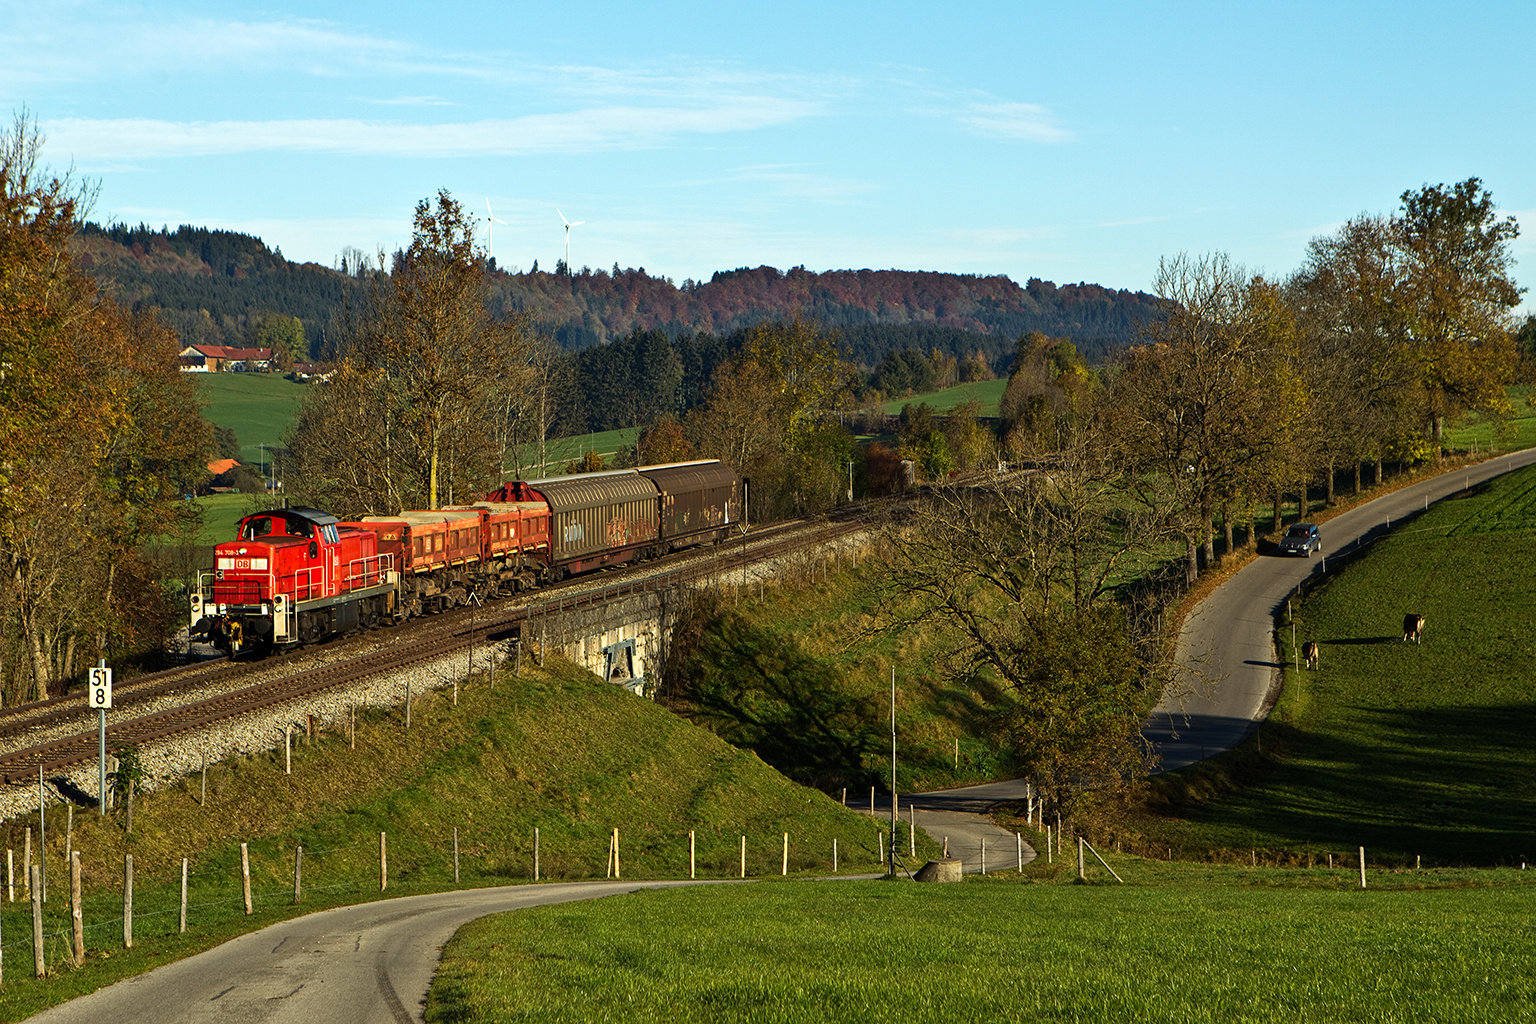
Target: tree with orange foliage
column 100, row 437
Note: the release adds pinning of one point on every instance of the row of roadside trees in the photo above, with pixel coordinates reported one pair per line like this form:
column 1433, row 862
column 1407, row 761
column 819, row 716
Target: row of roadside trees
column 1247, row 390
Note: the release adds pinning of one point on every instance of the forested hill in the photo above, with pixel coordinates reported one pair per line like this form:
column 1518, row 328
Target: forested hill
column 216, row 287
column 598, row 306
column 213, row 286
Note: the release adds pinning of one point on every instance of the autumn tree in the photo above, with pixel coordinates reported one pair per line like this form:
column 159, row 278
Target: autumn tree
column 770, row 412
column 1021, row 578
column 284, row 335
column 1365, row 389
column 100, row 438
column 1211, row 403
column 1456, row 296
column 426, row 359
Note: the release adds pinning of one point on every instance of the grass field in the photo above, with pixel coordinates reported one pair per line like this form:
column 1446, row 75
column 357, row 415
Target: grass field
column 259, row 407
column 558, row 750
column 1404, row 748
column 987, row 392
column 560, row 451
column 1180, row 943
column 1475, row 433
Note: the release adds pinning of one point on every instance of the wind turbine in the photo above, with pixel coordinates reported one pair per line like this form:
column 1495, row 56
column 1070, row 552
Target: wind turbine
column 568, row 225
column 490, row 236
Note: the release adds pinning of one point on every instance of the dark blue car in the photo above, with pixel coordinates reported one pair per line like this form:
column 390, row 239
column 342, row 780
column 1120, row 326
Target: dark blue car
column 1301, row 539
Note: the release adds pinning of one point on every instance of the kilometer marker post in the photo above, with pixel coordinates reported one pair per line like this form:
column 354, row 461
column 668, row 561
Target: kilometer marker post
column 100, row 695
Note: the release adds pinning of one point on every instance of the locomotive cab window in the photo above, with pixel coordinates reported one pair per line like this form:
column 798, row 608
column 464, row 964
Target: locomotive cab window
column 256, row 528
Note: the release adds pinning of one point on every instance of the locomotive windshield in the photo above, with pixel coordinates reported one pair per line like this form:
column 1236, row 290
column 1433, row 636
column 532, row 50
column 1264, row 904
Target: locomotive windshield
column 278, row 526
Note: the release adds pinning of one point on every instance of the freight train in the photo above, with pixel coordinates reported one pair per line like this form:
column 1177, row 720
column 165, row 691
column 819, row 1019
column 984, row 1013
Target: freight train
column 295, row 575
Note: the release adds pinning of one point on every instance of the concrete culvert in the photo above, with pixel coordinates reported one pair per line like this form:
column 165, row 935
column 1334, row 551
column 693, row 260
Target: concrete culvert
column 946, row 870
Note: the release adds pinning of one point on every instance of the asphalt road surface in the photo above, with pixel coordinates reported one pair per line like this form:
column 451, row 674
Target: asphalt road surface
column 1227, row 644
column 370, row 964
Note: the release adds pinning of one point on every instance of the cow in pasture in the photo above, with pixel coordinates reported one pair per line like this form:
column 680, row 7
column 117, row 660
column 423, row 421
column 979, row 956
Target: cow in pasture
column 1413, row 628
column 1309, row 652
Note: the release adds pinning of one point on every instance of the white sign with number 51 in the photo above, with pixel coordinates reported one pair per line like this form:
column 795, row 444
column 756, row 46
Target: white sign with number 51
column 100, row 688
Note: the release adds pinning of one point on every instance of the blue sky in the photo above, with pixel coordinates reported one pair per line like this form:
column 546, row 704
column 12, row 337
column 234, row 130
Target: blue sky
column 1072, row 142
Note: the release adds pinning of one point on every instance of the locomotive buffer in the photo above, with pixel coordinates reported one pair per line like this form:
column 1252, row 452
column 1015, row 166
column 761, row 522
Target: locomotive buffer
column 99, row 692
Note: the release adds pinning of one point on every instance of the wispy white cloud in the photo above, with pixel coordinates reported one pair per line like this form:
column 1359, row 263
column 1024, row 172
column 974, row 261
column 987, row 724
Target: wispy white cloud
column 789, row 181
column 601, row 128
column 412, row 101
column 1027, row 122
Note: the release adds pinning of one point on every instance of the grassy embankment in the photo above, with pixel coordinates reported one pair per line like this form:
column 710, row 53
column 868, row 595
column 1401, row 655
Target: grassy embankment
column 1177, row 943
column 1405, row 749
column 556, row 750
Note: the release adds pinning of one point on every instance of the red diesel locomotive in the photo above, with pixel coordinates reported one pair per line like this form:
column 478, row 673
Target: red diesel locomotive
column 296, row 575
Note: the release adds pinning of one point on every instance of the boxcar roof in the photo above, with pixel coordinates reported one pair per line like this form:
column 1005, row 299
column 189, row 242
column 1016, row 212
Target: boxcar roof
column 589, row 490
column 699, row 476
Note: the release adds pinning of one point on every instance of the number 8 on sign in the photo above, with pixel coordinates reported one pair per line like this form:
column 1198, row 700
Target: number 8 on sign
column 100, row 688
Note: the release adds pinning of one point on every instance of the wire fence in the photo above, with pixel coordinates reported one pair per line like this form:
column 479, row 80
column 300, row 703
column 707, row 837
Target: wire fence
column 370, row 869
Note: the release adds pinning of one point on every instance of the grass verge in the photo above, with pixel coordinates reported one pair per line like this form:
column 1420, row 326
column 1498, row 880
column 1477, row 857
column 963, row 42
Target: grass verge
column 556, row 750
column 1180, row 943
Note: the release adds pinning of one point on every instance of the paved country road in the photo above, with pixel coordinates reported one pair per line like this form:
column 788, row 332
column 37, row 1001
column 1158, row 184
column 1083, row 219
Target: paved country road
column 1229, row 637
column 369, row 964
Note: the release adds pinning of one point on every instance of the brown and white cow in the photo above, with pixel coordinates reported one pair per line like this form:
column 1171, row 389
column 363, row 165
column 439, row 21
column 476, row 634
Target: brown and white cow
column 1309, row 652
column 1413, row 628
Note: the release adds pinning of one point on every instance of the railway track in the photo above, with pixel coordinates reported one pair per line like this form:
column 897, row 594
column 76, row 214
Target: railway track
column 454, row 632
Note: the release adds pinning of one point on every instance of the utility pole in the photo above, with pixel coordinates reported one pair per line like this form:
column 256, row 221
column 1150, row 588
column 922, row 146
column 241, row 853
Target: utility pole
column 894, row 815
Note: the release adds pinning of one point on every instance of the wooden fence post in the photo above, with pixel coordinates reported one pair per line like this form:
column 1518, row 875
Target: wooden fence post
column 983, row 854
column 245, row 877
column 298, row 873
column 455, row 855
column 691, row 851
column 26, row 863
column 10, row 874
column 383, row 861
column 1362, row 867
column 287, row 750
column 834, row 856
column 784, row 868
column 1018, row 840
column 35, row 885
column 1081, row 876
column 127, row 901
column 743, row 856
column 181, row 923
column 407, row 705
column 76, row 920
column 912, row 828
column 203, row 800
column 535, row 853
column 616, row 872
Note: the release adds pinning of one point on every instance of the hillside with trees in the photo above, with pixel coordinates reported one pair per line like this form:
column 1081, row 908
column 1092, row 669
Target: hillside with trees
column 221, row 287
